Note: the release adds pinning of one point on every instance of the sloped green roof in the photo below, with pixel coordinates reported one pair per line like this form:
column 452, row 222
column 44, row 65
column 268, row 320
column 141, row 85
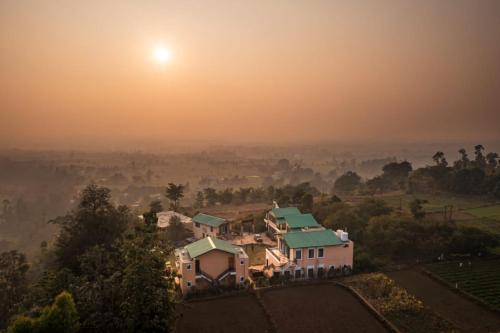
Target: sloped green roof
column 207, row 244
column 301, row 221
column 210, row 220
column 300, row 239
column 280, row 213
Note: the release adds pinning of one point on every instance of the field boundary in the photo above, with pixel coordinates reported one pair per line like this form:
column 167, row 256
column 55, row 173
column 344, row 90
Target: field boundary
column 380, row 317
column 460, row 292
column 270, row 319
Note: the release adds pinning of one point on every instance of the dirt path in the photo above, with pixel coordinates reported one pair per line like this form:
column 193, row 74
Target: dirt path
column 467, row 315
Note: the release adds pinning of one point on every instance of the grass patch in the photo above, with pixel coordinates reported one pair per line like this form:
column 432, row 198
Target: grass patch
column 490, row 212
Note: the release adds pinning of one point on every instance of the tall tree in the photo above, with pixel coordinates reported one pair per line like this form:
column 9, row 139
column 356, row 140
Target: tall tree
column 480, row 160
column 439, row 159
column 95, row 222
column 156, row 206
column 13, row 283
column 199, row 200
column 210, row 196
column 174, row 193
column 348, row 182
column 417, row 209
column 464, row 161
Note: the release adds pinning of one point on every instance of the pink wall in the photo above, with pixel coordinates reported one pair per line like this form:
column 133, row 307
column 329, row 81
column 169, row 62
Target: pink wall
column 333, row 256
column 214, row 262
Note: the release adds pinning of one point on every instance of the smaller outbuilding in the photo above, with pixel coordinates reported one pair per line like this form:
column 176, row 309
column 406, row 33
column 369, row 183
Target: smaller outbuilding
column 205, row 225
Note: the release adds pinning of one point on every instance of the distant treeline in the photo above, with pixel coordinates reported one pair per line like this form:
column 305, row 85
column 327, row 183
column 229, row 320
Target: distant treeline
column 479, row 175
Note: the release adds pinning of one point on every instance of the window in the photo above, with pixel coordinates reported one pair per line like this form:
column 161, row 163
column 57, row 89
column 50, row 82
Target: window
column 298, row 254
column 188, row 267
column 321, row 252
column 196, row 224
column 298, row 273
column 189, row 284
column 310, row 253
column 242, row 262
column 211, row 229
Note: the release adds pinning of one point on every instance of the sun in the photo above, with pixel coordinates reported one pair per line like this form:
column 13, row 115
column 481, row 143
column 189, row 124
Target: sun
column 162, row 55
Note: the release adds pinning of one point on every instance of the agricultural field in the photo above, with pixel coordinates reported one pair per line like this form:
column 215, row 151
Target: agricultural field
column 469, row 316
column 318, row 308
column 478, row 278
column 309, row 308
column 224, row 315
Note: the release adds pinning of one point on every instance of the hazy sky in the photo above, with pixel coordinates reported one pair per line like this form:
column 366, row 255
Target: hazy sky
column 81, row 73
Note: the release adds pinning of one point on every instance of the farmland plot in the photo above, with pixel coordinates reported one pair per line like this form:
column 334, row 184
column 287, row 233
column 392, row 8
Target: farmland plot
column 478, row 278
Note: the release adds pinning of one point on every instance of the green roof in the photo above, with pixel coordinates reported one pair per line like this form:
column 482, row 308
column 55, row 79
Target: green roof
column 207, row 244
column 212, row 221
column 301, row 221
column 300, row 239
column 280, row 213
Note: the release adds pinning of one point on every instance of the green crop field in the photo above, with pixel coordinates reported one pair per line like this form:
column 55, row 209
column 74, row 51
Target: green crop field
column 491, row 212
column 480, row 278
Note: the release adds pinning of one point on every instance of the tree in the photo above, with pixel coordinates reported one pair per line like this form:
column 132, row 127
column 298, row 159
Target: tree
column 176, row 230
column 147, row 306
column 472, row 240
column 226, row 196
column 174, row 193
column 492, row 161
column 348, row 182
column 210, row 196
column 156, row 206
column 200, row 199
column 60, row 317
column 150, row 218
column 284, row 164
column 467, row 181
column 13, row 283
column 439, row 159
column 417, row 209
column 307, row 202
column 480, row 160
column 378, row 183
column 464, row 161
column 95, row 222
column 346, row 218
column 397, row 170
column 371, row 207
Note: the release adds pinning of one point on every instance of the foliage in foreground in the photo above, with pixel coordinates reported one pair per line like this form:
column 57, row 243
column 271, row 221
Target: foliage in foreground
column 118, row 281
column 403, row 309
column 60, row 317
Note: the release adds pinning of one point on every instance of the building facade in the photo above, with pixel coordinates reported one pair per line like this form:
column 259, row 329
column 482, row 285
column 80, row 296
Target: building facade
column 205, row 225
column 305, row 249
column 210, row 262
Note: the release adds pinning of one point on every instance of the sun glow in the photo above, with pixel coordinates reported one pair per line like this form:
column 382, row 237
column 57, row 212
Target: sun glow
column 162, row 55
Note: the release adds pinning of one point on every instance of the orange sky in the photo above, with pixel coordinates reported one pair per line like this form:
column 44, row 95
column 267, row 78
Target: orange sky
column 80, row 73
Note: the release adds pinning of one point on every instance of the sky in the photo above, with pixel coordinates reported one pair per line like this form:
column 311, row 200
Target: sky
column 82, row 73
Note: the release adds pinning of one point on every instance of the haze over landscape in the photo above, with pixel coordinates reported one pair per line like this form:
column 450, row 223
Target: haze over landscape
column 179, row 166
column 81, row 74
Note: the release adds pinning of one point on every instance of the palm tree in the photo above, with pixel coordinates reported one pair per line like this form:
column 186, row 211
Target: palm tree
column 174, row 193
